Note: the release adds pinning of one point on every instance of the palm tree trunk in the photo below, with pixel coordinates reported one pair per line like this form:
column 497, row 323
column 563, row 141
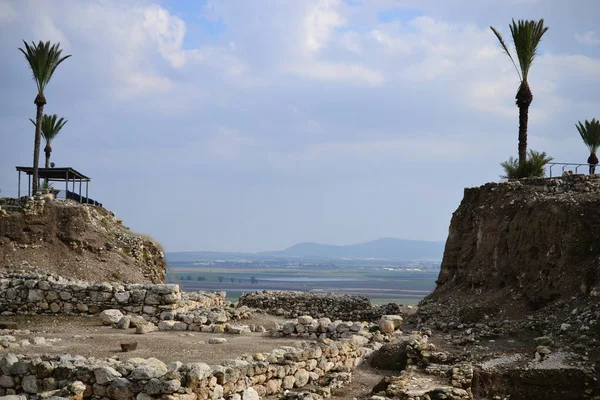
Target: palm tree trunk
column 36, row 144
column 47, row 164
column 523, row 118
column 524, row 98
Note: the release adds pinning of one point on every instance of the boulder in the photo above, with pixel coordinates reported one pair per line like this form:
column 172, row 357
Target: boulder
column 105, row 375
column 146, row 327
column 250, row 394
column 109, row 317
column 124, row 322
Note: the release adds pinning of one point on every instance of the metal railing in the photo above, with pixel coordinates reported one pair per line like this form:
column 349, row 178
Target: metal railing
column 564, row 165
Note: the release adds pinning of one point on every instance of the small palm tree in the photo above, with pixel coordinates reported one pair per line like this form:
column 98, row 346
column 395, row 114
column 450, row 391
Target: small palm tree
column 43, row 59
column 590, row 133
column 526, row 35
column 534, row 166
column 50, row 129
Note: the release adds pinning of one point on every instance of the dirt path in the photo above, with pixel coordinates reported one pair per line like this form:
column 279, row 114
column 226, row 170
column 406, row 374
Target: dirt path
column 364, row 378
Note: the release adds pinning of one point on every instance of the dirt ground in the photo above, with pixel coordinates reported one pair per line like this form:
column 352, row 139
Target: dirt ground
column 87, row 337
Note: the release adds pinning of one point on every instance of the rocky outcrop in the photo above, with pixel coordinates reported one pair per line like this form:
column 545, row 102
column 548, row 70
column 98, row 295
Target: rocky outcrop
column 76, row 241
column 516, row 247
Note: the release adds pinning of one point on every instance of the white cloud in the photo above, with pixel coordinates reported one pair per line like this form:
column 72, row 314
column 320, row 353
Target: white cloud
column 396, row 45
column 47, row 29
column 167, row 31
column 136, row 84
column 348, row 73
column 588, row 38
column 7, row 13
column 406, row 148
column 229, row 144
column 321, row 19
column 352, row 42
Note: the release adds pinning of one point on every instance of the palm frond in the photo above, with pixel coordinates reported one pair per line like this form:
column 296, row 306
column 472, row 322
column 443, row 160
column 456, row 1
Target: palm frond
column 534, row 166
column 43, row 60
column 590, row 134
column 527, row 35
column 51, row 126
column 503, row 44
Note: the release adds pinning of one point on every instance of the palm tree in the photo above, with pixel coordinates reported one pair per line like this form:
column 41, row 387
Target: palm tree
column 526, row 35
column 534, row 166
column 50, row 129
column 590, row 133
column 43, row 59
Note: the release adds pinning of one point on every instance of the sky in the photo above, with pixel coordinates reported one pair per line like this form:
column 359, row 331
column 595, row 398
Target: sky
column 250, row 125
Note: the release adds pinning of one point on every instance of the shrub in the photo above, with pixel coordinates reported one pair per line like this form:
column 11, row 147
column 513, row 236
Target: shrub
column 534, row 166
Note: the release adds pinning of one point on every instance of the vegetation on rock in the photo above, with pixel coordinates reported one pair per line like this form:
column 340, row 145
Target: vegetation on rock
column 590, row 134
column 526, row 36
column 534, row 166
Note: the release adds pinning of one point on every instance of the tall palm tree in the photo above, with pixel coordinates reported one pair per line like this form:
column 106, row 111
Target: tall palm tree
column 590, row 133
column 43, row 59
column 50, row 129
column 526, row 36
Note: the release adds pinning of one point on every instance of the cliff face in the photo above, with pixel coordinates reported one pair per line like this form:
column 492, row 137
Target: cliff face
column 76, row 241
column 524, row 243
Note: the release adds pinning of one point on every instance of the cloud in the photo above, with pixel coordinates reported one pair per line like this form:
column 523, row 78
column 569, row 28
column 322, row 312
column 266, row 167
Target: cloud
column 407, row 148
column 395, row 45
column 300, row 98
column 588, row 38
column 167, row 31
column 353, row 73
column 228, row 144
column 319, row 22
column 7, row 13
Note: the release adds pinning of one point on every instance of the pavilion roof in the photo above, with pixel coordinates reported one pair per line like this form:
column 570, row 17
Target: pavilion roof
column 56, row 174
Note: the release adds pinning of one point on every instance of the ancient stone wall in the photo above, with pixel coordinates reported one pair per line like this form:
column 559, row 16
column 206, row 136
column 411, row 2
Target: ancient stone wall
column 37, row 293
column 344, row 307
column 254, row 375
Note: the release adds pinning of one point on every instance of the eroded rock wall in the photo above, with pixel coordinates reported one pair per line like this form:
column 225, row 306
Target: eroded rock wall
column 517, row 246
column 77, row 241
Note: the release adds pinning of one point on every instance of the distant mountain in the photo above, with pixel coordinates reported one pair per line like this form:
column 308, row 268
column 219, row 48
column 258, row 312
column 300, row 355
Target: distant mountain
column 386, row 248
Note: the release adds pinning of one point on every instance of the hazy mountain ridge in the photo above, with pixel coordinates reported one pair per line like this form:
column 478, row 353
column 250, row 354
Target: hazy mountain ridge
column 385, row 248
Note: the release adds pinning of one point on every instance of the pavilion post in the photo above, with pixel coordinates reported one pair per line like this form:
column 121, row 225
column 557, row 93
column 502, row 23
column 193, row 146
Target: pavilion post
column 67, row 185
column 80, row 199
column 87, row 198
column 28, row 185
column 19, row 188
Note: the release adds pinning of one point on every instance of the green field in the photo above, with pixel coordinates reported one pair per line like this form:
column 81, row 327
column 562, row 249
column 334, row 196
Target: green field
column 379, row 284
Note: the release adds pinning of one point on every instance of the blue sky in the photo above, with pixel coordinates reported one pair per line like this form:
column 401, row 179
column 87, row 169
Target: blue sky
column 254, row 125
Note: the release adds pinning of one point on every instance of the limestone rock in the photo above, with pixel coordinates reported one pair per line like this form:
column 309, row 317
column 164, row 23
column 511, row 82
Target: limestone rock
column 250, row 394
column 152, row 368
column 124, row 322
column 109, row 317
column 105, row 375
